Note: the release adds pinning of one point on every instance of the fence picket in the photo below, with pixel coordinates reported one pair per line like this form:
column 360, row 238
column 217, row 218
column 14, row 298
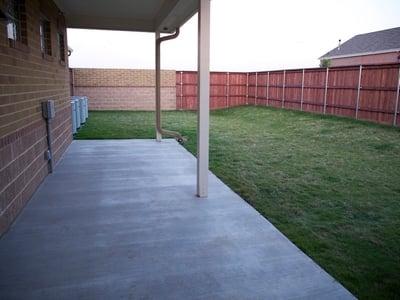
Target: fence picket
column 326, row 89
column 302, row 91
column 227, row 89
column 256, row 90
column 396, row 106
column 283, row 89
column 181, row 90
column 267, row 89
column 358, row 91
column 247, row 88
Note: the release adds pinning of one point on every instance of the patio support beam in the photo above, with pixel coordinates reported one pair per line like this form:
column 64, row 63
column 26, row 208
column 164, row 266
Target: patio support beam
column 203, row 95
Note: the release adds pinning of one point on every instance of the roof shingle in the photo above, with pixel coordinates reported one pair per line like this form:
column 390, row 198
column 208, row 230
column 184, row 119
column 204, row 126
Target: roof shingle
column 368, row 42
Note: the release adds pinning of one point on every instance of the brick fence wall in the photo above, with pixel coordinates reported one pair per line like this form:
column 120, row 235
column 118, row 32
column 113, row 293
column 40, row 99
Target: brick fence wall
column 123, row 89
column 27, row 78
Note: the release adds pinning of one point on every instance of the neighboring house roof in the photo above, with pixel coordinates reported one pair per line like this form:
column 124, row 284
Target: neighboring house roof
column 383, row 41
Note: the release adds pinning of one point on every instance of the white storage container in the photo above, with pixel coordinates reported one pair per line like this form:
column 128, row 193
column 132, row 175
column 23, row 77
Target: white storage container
column 78, row 114
column 82, row 109
column 73, row 116
column 86, row 107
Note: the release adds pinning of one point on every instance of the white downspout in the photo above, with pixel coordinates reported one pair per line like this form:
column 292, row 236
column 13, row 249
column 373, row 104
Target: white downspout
column 159, row 130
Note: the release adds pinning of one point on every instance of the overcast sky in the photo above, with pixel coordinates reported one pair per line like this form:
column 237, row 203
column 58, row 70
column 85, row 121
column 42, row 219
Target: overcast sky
column 251, row 35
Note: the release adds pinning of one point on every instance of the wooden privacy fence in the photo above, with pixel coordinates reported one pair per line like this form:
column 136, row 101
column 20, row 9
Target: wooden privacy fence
column 362, row 92
column 227, row 89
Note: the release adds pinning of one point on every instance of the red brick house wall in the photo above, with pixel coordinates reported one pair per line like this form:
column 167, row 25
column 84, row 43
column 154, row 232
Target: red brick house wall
column 372, row 59
column 26, row 79
column 123, row 89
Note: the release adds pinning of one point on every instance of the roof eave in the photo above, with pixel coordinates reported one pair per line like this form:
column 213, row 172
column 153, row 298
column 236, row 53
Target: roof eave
column 174, row 17
column 85, row 22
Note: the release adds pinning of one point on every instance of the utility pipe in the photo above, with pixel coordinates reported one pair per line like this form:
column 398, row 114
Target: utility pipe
column 49, row 153
column 160, row 130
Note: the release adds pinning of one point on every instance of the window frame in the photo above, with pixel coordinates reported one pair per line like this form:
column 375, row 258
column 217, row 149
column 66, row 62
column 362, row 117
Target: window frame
column 61, row 47
column 16, row 24
column 46, row 46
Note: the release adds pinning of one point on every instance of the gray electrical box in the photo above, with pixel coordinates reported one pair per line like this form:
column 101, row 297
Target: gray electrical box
column 48, row 109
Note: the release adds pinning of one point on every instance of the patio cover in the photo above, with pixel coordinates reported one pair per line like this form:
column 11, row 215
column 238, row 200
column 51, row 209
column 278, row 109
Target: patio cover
column 159, row 16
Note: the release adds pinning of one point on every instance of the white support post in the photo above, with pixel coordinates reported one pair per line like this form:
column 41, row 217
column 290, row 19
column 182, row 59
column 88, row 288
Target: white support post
column 256, row 90
column 302, row 92
column 247, row 89
column 158, row 88
column 227, row 89
column 181, row 82
column 267, row 88
column 326, row 89
column 358, row 92
column 203, row 94
column 396, row 106
column 283, row 89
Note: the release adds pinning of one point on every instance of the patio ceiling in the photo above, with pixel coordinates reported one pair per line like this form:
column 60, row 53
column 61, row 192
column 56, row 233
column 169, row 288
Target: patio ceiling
column 139, row 15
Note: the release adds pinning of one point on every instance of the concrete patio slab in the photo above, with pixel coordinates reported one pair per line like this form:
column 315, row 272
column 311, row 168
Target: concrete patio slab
column 119, row 219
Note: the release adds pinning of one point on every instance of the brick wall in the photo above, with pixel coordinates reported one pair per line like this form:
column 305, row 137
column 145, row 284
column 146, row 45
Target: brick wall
column 124, row 89
column 383, row 58
column 26, row 79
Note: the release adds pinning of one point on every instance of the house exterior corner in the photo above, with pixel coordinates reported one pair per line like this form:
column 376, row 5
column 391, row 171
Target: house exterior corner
column 34, row 68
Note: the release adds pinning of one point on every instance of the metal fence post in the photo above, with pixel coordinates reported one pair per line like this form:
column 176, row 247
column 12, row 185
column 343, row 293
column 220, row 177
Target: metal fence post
column 302, row 92
column 247, row 89
column 256, row 90
column 227, row 89
column 181, row 90
column 283, row 89
column 267, row 88
column 396, row 106
column 326, row 88
column 358, row 91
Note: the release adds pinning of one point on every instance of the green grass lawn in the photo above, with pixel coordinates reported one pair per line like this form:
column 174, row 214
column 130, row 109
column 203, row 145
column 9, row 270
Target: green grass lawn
column 332, row 185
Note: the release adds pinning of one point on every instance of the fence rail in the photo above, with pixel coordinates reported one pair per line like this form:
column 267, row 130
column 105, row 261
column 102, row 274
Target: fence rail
column 362, row 92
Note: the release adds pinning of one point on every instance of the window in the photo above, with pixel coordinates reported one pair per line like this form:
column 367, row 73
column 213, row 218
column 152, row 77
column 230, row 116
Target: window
column 45, row 37
column 61, row 46
column 16, row 22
